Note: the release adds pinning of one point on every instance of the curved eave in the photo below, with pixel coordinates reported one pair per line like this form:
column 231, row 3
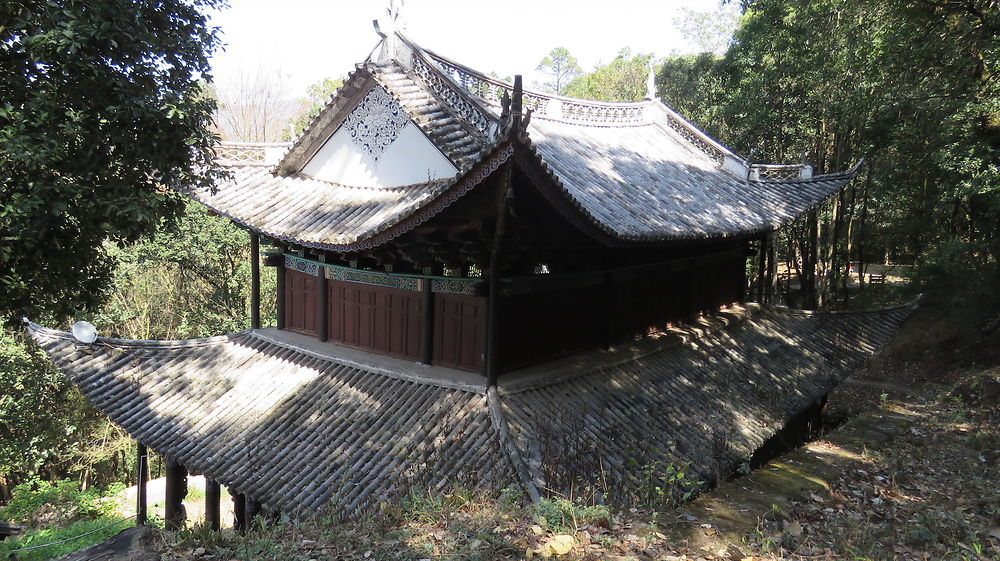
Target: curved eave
column 555, row 190
column 395, row 225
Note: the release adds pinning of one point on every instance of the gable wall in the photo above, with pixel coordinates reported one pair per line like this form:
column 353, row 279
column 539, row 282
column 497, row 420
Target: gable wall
column 377, row 145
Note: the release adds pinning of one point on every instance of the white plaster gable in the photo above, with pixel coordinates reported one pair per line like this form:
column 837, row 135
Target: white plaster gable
column 378, row 145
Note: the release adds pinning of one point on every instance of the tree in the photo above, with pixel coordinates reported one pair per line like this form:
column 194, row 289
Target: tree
column 317, row 96
column 45, row 424
column 709, row 32
column 255, row 105
column 909, row 84
column 622, row 79
column 562, row 67
column 190, row 280
column 102, row 119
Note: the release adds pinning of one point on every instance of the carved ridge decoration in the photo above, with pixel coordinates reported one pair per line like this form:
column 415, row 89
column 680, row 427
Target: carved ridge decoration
column 467, row 110
column 689, row 134
column 492, row 91
column 375, row 123
column 777, row 172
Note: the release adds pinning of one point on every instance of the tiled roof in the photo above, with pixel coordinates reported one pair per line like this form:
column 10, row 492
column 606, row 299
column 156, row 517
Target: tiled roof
column 646, row 182
column 637, row 171
column 456, row 138
column 299, row 432
column 640, row 172
column 321, row 214
column 312, row 212
column 704, row 399
column 308, row 432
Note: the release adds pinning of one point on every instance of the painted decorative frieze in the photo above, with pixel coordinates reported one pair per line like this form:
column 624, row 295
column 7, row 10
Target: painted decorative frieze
column 375, row 123
column 302, row 265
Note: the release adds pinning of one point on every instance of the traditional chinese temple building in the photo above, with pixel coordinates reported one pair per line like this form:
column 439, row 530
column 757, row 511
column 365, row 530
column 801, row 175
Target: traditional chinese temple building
column 483, row 286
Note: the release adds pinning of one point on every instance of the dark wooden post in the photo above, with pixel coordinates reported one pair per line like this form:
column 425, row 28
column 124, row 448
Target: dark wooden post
column 761, row 268
column 280, row 305
column 142, row 476
column 176, row 490
column 213, row 496
column 491, row 364
column 772, row 268
column 607, row 308
column 324, row 305
column 252, row 510
column 427, row 330
column 240, row 512
column 254, row 280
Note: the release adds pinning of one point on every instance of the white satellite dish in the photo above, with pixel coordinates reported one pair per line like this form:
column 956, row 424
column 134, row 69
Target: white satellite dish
column 84, row 332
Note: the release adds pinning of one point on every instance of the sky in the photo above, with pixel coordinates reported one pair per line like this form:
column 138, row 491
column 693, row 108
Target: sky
column 306, row 41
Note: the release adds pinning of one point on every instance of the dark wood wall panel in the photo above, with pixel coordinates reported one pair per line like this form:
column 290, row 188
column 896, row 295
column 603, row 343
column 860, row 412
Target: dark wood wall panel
column 459, row 331
column 301, row 302
column 375, row 318
column 557, row 318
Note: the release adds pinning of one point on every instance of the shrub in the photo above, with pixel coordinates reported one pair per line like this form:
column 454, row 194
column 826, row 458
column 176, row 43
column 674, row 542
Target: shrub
column 57, row 503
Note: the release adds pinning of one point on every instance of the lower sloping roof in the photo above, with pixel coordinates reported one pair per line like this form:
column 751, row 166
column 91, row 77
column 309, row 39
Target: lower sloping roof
column 305, row 433
column 702, row 399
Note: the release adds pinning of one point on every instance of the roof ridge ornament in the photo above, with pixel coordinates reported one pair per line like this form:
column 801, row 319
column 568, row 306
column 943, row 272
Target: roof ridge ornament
column 393, row 21
column 388, row 27
column 650, row 81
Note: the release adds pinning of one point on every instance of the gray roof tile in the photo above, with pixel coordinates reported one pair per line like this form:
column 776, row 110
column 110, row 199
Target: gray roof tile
column 305, row 432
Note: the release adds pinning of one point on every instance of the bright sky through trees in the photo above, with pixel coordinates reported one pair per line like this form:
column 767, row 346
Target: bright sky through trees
column 313, row 39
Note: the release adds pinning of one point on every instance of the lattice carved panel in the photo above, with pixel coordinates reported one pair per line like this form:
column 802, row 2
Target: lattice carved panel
column 375, row 123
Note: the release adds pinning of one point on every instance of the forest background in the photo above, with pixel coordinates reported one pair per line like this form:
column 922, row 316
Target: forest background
column 909, row 86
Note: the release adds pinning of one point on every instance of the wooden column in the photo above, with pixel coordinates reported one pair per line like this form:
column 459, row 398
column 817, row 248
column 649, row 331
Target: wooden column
column 142, row 476
column 252, row 510
column 427, row 329
column 772, row 268
column 254, row 280
column 504, row 193
column 324, row 305
column 280, row 271
column 239, row 512
column 761, row 269
column 607, row 308
column 213, row 496
column 176, row 490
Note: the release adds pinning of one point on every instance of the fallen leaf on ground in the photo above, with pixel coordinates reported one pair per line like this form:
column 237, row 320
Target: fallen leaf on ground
column 560, row 544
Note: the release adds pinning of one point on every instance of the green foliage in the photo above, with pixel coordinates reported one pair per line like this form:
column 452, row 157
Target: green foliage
column 562, row 67
column 710, row 32
column 78, row 536
column 564, row 515
column 44, row 421
column 622, row 79
column 102, row 116
column 688, row 84
column 665, row 483
column 189, row 280
column 41, row 503
column 911, row 86
column 317, row 96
